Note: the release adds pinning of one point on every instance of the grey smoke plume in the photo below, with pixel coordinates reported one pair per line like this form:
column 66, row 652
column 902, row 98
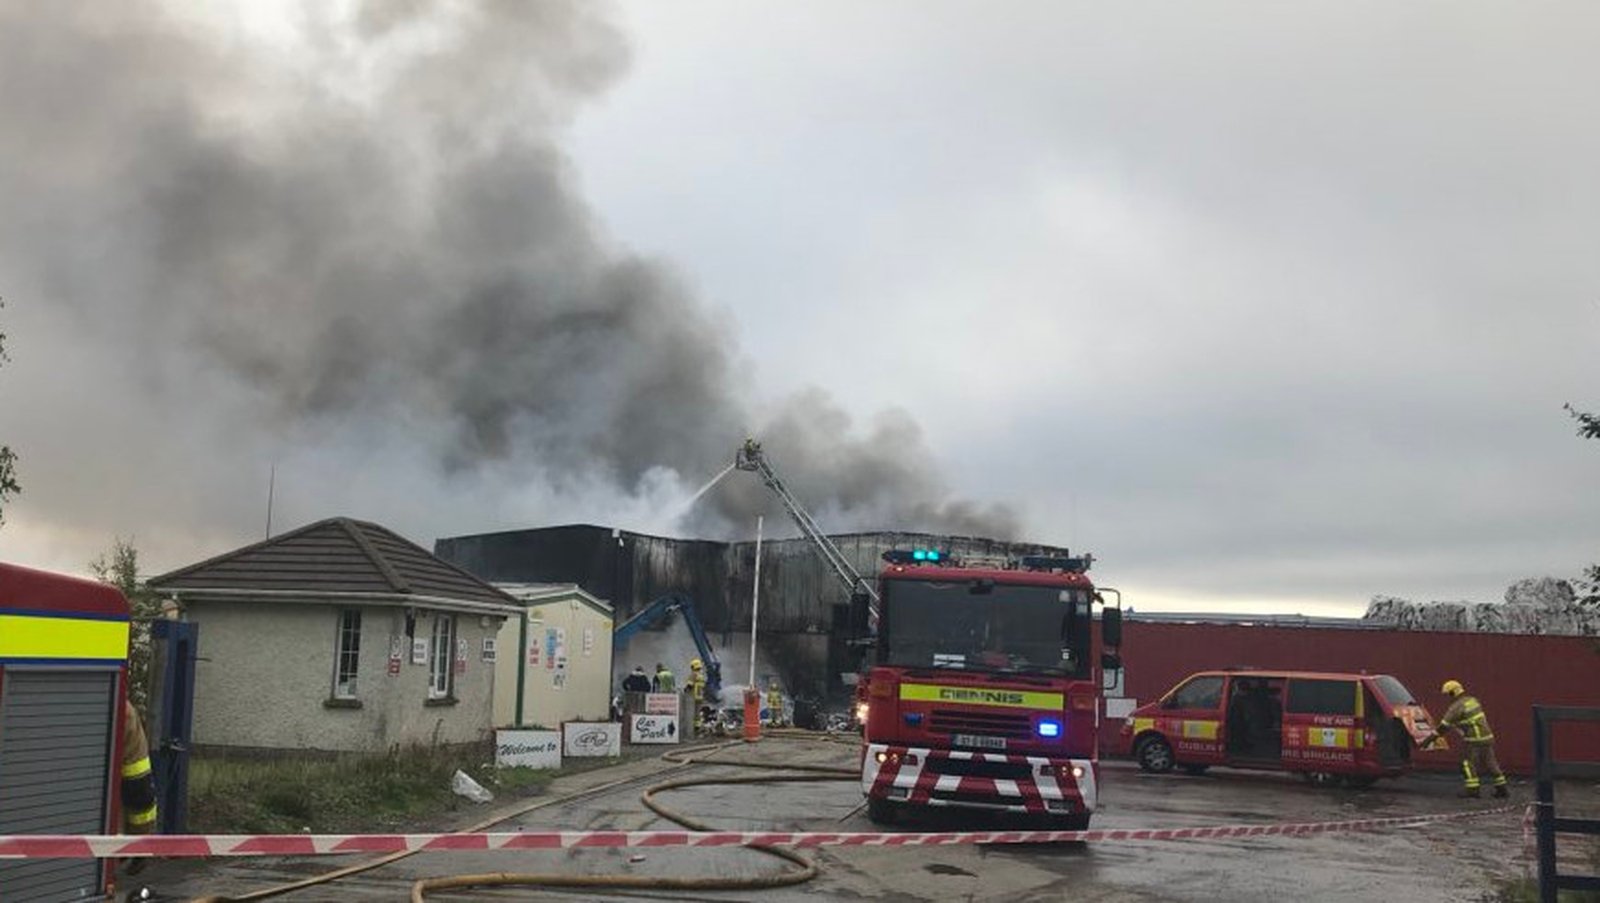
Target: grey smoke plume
column 377, row 234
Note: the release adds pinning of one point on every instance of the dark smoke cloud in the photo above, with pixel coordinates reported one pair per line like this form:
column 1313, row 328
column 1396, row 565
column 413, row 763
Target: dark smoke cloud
column 382, row 229
column 885, row 476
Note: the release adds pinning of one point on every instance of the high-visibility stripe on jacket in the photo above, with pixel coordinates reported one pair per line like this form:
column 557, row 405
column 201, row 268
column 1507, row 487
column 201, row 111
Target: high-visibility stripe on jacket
column 1467, row 716
column 138, row 785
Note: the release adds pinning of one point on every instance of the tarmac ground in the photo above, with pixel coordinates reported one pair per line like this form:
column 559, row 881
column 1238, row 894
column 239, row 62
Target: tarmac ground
column 1450, row 861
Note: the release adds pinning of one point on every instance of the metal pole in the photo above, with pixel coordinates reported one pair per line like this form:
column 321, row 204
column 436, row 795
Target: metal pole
column 272, row 485
column 1544, row 811
column 755, row 605
column 522, row 663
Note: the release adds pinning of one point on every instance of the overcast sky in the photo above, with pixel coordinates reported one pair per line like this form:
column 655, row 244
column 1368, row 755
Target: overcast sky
column 1270, row 306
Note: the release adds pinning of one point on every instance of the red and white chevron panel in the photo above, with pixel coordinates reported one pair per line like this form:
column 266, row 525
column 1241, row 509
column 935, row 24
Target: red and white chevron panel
column 933, row 777
column 39, row 846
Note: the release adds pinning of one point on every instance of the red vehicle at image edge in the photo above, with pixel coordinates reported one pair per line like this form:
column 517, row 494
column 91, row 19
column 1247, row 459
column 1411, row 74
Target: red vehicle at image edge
column 984, row 686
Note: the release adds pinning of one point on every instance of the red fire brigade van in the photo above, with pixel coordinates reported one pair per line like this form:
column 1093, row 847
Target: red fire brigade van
column 1332, row 728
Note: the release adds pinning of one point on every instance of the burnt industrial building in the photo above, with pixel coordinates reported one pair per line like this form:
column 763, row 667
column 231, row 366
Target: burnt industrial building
column 804, row 605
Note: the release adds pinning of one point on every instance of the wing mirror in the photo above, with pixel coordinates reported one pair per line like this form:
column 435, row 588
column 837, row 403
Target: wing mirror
column 1111, row 627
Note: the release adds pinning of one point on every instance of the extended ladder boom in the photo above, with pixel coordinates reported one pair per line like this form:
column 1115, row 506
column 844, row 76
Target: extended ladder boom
column 751, row 458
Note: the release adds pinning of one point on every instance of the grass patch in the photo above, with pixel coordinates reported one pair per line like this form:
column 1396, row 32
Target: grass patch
column 1526, row 890
column 348, row 794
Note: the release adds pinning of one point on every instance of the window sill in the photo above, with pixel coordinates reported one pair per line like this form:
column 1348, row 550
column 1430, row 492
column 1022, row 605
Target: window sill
column 442, row 700
column 338, row 703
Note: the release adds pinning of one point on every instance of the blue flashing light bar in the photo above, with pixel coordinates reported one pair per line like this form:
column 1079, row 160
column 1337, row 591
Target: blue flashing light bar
column 913, row 556
column 1049, row 729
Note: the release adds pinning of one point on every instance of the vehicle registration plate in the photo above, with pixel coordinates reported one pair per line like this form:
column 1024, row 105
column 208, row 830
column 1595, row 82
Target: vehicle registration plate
column 978, row 741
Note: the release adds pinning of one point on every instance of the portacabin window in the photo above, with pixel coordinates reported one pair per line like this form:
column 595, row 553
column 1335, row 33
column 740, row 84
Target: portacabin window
column 440, row 679
column 347, row 658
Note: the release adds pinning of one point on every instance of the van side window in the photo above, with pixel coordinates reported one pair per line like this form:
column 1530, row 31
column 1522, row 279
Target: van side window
column 1199, row 693
column 1322, row 697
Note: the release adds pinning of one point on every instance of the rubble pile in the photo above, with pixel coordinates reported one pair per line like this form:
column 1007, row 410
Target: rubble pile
column 1542, row 605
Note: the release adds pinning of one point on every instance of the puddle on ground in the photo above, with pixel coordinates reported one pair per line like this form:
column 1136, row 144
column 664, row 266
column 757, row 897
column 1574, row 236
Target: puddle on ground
column 939, row 868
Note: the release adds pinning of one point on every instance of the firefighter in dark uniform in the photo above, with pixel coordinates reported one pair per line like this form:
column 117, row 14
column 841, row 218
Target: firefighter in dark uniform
column 1466, row 715
column 138, row 787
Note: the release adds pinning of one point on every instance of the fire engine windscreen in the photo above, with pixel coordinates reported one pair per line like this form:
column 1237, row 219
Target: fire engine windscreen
column 985, row 627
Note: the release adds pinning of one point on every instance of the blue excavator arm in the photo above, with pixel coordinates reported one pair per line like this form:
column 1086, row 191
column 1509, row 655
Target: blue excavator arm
column 661, row 608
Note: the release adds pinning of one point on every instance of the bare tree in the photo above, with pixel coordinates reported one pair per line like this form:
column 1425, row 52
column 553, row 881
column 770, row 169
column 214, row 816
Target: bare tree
column 9, row 486
column 1589, row 583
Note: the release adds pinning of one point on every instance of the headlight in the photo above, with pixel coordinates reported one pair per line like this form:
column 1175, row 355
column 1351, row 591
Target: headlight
column 861, row 712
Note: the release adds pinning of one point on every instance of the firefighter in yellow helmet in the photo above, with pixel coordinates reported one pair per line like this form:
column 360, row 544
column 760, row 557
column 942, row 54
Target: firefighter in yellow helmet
column 696, row 684
column 1466, row 715
column 774, row 702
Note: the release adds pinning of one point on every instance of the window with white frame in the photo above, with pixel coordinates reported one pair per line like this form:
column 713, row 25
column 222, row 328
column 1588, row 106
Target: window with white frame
column 347, row 657
column 443, row 658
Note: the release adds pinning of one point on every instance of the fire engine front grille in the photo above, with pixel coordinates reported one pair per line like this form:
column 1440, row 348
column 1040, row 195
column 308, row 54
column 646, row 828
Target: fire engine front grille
column 948, row 721
column 974, row 798
column 977, row 768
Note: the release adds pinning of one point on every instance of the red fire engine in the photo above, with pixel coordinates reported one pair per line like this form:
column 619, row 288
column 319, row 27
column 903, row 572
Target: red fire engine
column 985, row 686
column 63, row 674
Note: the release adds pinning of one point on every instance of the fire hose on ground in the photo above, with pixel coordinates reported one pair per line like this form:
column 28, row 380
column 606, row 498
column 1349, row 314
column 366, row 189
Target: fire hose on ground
column 778, row 844
column 681, row 758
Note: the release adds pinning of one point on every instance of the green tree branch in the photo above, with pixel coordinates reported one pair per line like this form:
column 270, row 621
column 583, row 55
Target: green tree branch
column 120, row 568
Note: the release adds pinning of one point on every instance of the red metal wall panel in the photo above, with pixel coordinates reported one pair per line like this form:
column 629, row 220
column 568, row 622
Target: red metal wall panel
column 1508, row 673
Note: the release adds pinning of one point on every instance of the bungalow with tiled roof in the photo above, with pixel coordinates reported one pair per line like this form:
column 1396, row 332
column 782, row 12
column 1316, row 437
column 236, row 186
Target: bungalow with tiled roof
column 339, row 636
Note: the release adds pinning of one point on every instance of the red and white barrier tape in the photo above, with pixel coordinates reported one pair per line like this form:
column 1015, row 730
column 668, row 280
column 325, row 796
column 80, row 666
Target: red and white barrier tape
column 41, row 846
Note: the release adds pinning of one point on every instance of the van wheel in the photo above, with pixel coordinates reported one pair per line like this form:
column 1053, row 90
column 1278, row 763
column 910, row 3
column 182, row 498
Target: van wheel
column 1195, row 770
column 881, row 812
column 1155, row 755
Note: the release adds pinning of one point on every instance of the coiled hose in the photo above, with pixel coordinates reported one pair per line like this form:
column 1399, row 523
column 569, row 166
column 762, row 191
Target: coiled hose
column 787, row 774
column 679, row 758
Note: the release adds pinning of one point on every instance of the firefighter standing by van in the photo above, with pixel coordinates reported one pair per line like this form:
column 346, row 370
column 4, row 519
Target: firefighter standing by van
column 1466, row 715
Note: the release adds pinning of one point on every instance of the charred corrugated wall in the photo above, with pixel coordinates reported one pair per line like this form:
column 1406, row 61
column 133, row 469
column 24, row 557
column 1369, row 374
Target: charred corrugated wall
column 802, row 601
column 626, row 569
